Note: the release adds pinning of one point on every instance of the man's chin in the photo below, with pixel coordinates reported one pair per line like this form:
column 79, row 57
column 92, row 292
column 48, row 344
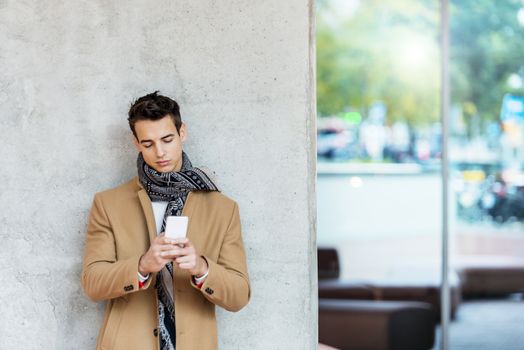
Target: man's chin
column 164, row 169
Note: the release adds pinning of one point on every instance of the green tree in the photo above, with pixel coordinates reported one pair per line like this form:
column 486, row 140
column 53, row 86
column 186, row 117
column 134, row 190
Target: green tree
column 382, row 51
column 387, row 50
column 487, row 46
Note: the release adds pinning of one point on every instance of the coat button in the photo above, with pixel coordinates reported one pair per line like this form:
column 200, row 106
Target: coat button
column 155, row 332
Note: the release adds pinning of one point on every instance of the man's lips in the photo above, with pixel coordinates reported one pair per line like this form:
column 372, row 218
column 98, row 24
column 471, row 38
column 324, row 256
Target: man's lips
column 163, row 162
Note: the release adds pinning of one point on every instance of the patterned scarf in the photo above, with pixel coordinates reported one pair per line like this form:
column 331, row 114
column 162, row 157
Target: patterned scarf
column 172, row 187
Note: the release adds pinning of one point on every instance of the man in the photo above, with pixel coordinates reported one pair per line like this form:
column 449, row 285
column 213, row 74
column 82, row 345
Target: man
column 162, row 292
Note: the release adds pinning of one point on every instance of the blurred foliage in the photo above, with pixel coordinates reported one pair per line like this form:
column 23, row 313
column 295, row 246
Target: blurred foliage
column 487, row 46
column 388, row 51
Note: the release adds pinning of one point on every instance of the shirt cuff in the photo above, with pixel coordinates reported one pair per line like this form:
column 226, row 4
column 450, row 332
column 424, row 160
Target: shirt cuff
column 201, row 279
column 142, row 280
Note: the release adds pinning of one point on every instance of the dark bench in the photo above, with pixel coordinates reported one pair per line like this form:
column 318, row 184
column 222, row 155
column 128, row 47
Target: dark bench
column 490, row 276
column 376, row 325
column 423, row 289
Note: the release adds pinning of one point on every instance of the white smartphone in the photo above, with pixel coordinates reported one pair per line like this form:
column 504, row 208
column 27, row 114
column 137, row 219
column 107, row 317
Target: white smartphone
column 176, row 226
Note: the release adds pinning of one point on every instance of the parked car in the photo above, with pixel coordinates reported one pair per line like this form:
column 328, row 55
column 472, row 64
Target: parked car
column 336, row 140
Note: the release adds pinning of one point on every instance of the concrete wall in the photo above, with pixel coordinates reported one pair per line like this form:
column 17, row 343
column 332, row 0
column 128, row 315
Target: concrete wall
column 243, row 72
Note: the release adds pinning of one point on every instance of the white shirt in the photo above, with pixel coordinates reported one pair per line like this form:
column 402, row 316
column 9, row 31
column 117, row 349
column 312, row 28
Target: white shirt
column 159, row 209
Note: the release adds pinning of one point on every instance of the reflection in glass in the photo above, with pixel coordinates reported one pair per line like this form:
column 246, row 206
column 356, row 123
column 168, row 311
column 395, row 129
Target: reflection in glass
column 379, row 188
column 486, row 159
column 379, row 150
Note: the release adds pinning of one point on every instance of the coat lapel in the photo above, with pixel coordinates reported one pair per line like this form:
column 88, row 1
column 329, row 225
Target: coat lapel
column 147, row 208
column 188, row 210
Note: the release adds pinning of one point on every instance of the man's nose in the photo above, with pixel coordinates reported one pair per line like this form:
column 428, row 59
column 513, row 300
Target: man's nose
column 159, row 151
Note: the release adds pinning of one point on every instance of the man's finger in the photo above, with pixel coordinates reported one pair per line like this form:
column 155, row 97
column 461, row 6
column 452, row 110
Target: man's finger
column 186, row 251
column 184, row 259
column 165, row 247
column 165, row 240
column 185, row 266
column 181, row 240
column 170, row 254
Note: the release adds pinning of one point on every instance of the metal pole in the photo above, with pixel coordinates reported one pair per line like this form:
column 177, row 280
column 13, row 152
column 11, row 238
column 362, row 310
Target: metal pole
column 444, row 100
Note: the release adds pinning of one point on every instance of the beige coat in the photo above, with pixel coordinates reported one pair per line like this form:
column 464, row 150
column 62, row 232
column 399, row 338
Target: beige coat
column 121, row 227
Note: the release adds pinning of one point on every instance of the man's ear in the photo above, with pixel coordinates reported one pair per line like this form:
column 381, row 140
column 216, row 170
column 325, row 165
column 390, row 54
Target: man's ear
column 183, row 132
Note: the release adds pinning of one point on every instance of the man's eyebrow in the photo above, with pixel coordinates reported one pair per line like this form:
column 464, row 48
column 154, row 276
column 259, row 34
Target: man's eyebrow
column 163, row 137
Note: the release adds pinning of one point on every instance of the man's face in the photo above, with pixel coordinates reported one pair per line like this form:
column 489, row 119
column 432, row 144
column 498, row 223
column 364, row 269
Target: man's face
column 160, row 143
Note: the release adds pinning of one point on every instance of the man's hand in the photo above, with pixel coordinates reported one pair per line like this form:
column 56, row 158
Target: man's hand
column 184, row 254
column 154, row 259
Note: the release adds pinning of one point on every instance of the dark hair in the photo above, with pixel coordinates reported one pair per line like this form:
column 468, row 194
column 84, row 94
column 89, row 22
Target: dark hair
column 154, row 107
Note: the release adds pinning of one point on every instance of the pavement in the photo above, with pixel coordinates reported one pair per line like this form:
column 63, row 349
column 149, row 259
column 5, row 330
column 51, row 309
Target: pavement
column 490, row 324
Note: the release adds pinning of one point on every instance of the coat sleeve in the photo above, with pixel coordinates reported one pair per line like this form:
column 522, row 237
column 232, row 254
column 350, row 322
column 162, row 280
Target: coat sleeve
column 103, row 275
column 227, row 282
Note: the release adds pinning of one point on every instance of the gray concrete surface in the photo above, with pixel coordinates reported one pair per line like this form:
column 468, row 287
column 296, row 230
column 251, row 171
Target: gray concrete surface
column 487, row 324
column 243, row 73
